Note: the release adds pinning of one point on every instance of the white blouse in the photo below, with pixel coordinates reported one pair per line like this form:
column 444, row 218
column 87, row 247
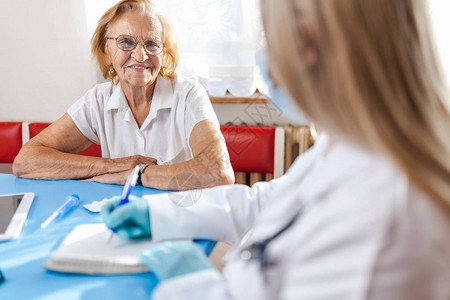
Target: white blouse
column 104, row 117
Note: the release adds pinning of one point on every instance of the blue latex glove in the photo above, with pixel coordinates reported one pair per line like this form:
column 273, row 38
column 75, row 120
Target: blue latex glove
column 174, row 259
column 130, row 220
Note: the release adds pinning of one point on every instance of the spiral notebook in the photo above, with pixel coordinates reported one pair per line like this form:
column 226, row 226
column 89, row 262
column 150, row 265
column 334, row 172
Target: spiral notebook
column 88, row 250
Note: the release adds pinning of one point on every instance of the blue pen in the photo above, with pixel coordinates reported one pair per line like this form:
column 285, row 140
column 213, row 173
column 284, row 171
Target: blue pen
column 1, row 276
column 71, row 201
column 129, row 185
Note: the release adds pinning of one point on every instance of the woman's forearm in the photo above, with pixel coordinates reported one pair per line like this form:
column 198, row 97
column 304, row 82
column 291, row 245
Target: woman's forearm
column 200, row 172
column 40, row 162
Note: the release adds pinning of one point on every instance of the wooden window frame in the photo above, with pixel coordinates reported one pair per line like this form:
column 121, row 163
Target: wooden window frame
column 256, row 98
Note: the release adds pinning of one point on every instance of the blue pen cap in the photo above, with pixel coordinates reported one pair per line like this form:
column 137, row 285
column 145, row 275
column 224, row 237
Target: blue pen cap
column 71, row 201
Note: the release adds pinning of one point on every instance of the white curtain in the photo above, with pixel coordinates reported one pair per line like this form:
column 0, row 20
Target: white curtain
column 217, row 40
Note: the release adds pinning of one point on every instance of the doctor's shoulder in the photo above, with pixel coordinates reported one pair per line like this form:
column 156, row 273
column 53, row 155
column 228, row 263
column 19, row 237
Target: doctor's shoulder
column 392, row 245
column 412, row 255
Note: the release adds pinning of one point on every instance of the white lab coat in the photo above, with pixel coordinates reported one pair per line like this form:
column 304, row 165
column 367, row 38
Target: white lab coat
column 364, row 232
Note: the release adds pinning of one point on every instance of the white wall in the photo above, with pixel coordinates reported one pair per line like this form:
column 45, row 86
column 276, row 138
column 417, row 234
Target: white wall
column 45, row 63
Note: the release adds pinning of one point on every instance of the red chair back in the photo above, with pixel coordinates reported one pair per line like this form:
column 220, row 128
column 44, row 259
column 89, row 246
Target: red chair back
column 92, row 150
column 251, row 148
column 10, row 140
column 35, row 128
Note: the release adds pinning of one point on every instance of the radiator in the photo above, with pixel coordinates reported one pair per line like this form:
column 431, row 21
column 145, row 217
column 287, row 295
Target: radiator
column 297, row 141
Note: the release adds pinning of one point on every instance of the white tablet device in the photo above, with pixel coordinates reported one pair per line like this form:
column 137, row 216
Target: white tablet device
column 13, row 213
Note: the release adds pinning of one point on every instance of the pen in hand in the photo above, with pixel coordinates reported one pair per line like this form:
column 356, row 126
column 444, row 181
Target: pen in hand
column 71, row 201
column 129, row 185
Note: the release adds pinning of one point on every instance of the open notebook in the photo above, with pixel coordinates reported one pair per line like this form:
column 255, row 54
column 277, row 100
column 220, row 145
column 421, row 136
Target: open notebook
column 87, row 250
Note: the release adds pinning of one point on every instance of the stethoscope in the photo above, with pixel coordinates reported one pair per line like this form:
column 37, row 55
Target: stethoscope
column 257, row 250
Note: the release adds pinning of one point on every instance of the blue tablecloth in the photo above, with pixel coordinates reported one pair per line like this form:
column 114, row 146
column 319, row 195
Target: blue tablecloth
column 21, row 260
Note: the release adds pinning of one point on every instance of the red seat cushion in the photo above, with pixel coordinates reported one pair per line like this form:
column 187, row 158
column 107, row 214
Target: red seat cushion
column 251, row 148
column 92, row 150
column 10, row 140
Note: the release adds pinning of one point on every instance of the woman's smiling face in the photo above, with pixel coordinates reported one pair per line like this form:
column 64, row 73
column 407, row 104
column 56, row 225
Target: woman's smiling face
column 135, row 68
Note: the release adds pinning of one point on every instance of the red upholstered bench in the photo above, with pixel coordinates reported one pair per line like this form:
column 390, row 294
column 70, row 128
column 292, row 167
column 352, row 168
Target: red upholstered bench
column 10, row 140
column 258, row 149
column 93, row 150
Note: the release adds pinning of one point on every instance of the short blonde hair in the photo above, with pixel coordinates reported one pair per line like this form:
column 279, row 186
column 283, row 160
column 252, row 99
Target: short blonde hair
column 143, row 7
column 375, row 79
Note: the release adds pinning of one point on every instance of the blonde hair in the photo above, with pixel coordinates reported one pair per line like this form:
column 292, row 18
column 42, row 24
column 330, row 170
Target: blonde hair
column 143, row 7
column 375, row 80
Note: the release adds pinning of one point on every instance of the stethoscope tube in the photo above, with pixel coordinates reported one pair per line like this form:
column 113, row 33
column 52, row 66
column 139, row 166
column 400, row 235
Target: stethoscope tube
column 257, row 250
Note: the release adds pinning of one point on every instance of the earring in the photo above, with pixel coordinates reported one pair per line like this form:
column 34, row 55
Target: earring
column 110, row 69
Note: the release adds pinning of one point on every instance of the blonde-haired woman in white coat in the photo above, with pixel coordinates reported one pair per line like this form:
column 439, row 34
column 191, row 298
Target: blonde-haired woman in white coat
column 365, row 213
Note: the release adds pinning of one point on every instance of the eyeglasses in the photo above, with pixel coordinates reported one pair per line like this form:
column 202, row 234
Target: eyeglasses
column 129, row 43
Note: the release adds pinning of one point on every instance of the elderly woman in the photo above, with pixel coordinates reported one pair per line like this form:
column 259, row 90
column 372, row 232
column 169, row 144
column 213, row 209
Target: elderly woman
column 147, row 114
